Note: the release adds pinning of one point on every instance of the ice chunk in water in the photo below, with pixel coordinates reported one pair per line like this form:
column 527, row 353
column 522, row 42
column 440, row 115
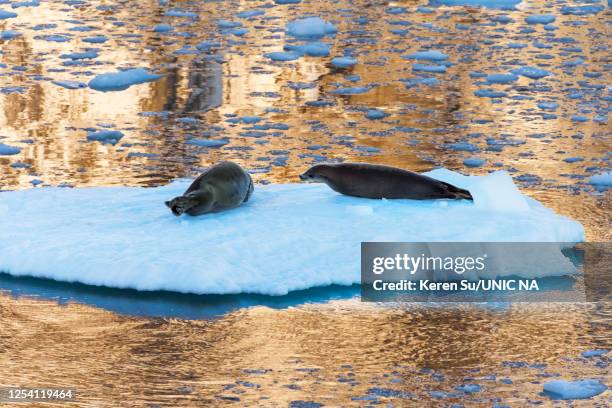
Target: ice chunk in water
column 581, row 389
column 121, row 80
column 310, row 27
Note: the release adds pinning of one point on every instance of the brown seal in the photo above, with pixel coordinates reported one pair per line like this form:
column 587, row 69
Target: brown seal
column 222, row 187
column 376, row 181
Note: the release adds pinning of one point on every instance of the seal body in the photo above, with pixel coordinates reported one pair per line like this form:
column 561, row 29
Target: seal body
column 376, row 181
column 223, row 186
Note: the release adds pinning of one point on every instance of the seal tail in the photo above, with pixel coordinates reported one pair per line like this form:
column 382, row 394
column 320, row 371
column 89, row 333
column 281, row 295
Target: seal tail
column 457, row 193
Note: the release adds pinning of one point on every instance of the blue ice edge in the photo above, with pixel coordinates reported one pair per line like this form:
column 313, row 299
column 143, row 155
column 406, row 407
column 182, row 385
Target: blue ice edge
column 167, row 304
column 287, row 238
column 162, row 303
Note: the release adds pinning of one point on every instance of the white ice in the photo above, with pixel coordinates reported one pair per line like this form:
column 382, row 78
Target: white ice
column 310, row 27
column 121, row 80
column 287, row 237
column 604, row 179
column 581, row 389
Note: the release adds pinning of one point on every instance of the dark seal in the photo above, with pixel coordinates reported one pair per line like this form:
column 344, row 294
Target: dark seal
column 222, row 187
column 376, row 181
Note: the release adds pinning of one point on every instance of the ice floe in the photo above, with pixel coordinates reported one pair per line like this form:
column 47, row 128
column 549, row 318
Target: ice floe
column 567, row 390
column 121, row 80
column 285, row 238
column 6, row 150
column 310, row 28
column 105, row 136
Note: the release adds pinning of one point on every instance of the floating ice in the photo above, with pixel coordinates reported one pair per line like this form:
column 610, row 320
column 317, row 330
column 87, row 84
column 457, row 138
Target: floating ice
column 250, row 13
column 7, row 14
column 105, row 136
column 80, row 55
column 356, row 90
column 98, row 39
column 429, row 68
column 125, row 237
column 462, row 147
column 430, row 55
column 310, row 27
column 531, row 72
column 490, row 93
column 208, row 142
column 581, row 389
column 6, row 150
column 283, row 55
column 343, row 62
column 582, row 10
column 495, row 4
column 374, row 114
column 163, row 28
column 474, row 162
column 594, row 353
column 548, row 105
column 312, row 49
column 70, row 84
column 501, row 78
column 121, row 80
column 604, row 179
column 540, row 19
column 180, row 13
column 469, row 388
column 9, row 34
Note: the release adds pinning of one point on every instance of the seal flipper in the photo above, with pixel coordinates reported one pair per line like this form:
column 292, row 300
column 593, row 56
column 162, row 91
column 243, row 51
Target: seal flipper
column 456, row 192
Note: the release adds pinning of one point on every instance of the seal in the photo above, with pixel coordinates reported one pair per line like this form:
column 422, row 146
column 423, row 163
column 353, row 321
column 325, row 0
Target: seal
column 377, row 181
column 223, row 186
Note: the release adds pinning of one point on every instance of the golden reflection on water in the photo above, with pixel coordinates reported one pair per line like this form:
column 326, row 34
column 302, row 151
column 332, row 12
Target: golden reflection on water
column 326, row 353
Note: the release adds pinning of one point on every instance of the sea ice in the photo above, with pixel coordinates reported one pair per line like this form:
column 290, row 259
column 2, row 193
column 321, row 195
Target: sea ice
column 474, row 162
column 540, row 19
column 7, row 14
column 581, row 389
column 121, row 80
column 429, row 68
column 494, row 4
column 343, row 62
column 105, row 136
column 6, row 150
column 501, row 78
column 594, row 353
column 70, row 84
column 208, row 142
column 604, row 179
column 430, row 55
column 283, row 55
column 312, row 49
column 9, row 34
column 163, row 28
column 80, row 55
column 125, row 237
column 374, row 114
column 310, row 27
column 531, row 72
